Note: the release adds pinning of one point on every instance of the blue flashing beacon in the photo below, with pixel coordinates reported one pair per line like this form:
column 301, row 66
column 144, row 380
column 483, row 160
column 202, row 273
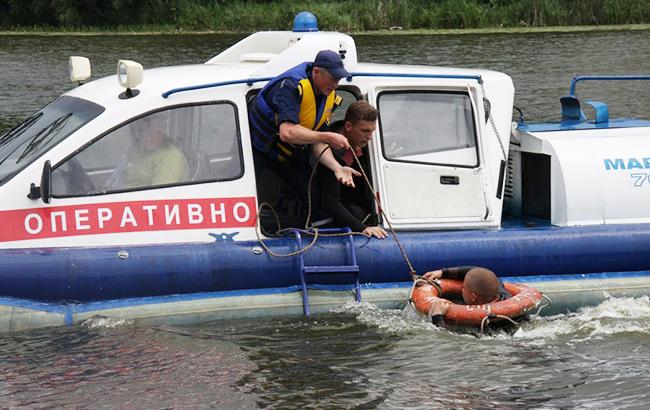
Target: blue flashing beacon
column 305, row 21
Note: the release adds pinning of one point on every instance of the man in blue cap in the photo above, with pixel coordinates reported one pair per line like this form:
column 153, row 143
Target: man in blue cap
column 293, row 111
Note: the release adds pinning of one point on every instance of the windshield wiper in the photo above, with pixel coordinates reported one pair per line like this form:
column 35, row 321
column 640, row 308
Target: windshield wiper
column 19, row 129
column 50, row 131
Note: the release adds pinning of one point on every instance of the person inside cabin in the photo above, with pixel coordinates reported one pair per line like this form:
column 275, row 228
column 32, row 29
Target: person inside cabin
column 350, row 205
column 480, row 286
column 292, row 112
column 153, row 160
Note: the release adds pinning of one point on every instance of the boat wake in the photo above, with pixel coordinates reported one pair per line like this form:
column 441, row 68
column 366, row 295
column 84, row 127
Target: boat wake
column 101, row 322
column 391, row 321
column 614, row 316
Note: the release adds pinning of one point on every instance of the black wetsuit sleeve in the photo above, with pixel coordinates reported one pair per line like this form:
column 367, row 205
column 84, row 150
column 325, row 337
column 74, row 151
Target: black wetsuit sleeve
column 458, row 272
column 503, row 293
column 330, row 197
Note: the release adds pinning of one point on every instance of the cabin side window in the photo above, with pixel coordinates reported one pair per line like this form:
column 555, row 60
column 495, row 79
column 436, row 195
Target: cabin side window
column 182, row 145
column 428, row 127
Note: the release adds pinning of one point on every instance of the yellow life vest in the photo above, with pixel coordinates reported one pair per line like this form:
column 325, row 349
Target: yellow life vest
column 308, row 110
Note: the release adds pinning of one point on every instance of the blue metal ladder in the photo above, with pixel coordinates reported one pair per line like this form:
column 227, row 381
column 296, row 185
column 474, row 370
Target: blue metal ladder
column 306, row 270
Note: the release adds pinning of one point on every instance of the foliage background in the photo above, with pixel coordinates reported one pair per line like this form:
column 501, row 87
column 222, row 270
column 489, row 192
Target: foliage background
column 342, row 15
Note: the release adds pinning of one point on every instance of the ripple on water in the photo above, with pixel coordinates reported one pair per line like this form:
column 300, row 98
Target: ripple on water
column 119, row 365
column 594, row 357
column 358, row 356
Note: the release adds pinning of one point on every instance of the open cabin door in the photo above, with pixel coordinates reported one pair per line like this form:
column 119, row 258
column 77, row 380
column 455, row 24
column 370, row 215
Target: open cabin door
column 428, row 155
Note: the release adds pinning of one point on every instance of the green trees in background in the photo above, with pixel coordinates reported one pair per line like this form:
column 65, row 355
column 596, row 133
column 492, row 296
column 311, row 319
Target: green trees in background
column 344, row 15
column 89, row 13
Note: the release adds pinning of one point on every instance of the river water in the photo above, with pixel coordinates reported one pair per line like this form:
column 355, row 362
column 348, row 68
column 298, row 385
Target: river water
column 358, row 356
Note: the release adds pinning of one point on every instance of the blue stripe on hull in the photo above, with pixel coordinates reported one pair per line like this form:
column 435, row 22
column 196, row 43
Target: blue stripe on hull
column 83, row 274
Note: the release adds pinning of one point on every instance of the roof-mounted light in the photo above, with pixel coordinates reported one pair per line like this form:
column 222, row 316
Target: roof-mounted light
column 305, row 22
column 79, row 69
column 129, row 75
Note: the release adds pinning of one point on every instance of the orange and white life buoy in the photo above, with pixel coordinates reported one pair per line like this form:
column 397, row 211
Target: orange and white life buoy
column 523, row 300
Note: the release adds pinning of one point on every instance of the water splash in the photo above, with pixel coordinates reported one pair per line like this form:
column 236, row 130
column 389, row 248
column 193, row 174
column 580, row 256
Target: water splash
column 389, row 321
column 614, row 316
column 101, row 322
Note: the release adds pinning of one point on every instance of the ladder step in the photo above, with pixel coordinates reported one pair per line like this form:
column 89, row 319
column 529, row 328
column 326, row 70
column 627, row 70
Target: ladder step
column 328, row 269
column 332, row 269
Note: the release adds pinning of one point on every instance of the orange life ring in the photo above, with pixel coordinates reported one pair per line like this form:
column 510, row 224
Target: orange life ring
column 524, row 299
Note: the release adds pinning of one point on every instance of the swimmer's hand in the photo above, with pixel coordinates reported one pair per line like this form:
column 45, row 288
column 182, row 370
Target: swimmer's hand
column 432, row 275
column 439, row 306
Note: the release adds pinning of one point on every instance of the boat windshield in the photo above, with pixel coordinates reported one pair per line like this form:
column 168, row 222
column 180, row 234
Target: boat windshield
column 27, row 141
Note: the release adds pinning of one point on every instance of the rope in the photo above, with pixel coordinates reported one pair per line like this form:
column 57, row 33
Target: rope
column 486, row 320
column 272, row 253
column 494, row 126
column 381, row 211
column 550, row 302
column 431, row 282
column 415, row 282
column 311, row 180
column 314, row 231
column 307, row 230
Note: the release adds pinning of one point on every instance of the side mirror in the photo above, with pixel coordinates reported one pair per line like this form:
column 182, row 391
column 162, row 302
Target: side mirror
column 45, row 190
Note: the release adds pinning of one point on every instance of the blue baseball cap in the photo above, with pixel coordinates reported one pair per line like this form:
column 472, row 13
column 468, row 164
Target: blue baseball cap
column 331, row 61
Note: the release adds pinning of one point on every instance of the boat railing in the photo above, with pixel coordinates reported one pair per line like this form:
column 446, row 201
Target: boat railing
column 251, row 81
column 577, row 79
column 571, row 110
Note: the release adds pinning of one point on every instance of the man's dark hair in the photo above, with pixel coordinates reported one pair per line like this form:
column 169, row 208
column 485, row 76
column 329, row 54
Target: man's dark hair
column 484, row 283
column 360, row 111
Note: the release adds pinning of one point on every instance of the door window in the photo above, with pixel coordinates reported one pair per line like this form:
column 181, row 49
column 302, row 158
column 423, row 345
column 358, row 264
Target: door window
column 428, row 127
column 182, row 145
column 348, row 95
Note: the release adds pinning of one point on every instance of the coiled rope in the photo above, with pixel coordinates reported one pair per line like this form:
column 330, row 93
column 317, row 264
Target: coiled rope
column 486, row 319
column 313, row 230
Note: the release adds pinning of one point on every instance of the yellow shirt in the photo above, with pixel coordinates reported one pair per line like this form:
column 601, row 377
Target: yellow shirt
column 165, row 165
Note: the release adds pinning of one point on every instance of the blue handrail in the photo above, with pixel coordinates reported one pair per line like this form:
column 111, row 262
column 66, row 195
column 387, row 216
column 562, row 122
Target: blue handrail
column 414, row 75
column 576, row 79
column 248, row 81
column 251, row 81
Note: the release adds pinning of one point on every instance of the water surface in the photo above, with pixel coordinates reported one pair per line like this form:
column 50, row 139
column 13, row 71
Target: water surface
column 357, row 357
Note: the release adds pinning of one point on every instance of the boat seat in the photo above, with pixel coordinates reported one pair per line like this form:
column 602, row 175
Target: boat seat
column 199, row 166
column 571, row 110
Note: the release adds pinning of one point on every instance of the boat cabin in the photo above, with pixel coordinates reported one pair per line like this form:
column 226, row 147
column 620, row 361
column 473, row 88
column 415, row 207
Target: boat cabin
column 164, row 155
column 75, row 173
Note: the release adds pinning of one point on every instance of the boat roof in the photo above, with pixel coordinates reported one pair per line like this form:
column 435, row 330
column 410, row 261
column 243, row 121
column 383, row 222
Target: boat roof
column 157, row 81
column 260, row 56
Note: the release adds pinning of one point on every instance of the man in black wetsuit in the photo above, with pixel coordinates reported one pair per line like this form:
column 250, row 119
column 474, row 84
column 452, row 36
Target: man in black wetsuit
column 349, row 205
column 480, row 286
